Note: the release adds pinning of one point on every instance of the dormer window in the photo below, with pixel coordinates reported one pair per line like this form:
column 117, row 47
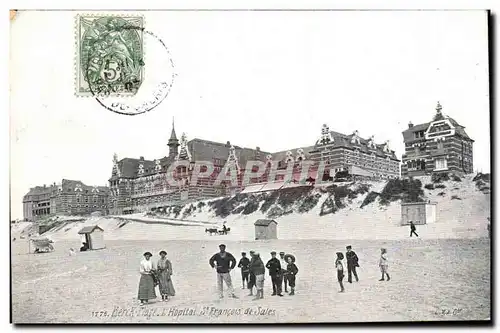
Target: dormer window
column 355, row 138
column 419, row 134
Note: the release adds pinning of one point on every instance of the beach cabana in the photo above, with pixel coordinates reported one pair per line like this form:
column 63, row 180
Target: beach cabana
column 94, row 237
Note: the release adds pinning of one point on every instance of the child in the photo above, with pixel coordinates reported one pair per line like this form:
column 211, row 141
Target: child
column 384, row 264
column 340, row 270
column 291, row 272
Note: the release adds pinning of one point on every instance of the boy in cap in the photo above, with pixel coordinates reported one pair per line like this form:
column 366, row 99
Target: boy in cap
column 225, row 263
column 274, row 267
column 413, row 229
column 340, row 270
column 352, row 263
column 284, row 265
column 251, row 280
column 245, row 270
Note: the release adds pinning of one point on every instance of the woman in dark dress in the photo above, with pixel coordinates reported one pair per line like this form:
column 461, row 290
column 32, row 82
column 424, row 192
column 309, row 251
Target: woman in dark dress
column 164, row 271
column 147, row 282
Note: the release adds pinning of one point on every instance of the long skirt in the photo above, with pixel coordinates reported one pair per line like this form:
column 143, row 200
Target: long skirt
column 146, row 288
column 165, row 284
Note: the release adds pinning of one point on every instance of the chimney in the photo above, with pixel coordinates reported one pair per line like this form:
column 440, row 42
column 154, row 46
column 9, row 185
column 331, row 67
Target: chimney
column 410, row 124
column 141, row 158
column 44, row 186
column 258, row 148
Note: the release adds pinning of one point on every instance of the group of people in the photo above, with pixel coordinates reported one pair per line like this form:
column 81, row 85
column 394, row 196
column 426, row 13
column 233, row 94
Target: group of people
column 353, row 263
column 155, row 275
column 283, row 270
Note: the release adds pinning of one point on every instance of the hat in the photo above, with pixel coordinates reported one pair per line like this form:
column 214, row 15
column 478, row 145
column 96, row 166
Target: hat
column 273, row 252
column 340, row 255
column 243, row 253
column 222, row 245
column 282, row 252
column 163, row 252
column 289, row 256
column 252, row 251
column 348, row 247
column 147, row 253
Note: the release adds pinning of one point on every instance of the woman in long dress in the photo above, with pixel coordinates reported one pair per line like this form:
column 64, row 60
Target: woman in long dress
column 164, row 269
column 146, row 283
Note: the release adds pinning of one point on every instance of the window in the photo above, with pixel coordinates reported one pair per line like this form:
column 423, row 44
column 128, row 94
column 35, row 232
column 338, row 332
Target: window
column 419, row 134
column 441, row 164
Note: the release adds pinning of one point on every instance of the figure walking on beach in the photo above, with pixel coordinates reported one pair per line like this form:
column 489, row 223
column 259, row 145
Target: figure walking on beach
column 340, row 270
column 413, row 229
column 245, row 270
column 274, row 267
column 291, row 272
column 259, row 270
column 251, row 281
column 284, row 275
column 352, row 263
column 384, row 264
column 225, row 262
column 164, row 269
column 147, row 282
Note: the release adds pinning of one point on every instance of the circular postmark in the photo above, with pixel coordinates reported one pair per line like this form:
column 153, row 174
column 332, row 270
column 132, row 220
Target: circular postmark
column 114, row 66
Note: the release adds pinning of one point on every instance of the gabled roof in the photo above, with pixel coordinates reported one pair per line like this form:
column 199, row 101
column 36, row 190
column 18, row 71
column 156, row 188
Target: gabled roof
column 89, row 229
column 71, row 185
column 205, row 150
column 281, row 155
column 264, row 222
column 343, row 140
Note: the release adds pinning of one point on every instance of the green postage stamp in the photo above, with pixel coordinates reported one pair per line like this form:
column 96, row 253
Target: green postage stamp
column 109, row 55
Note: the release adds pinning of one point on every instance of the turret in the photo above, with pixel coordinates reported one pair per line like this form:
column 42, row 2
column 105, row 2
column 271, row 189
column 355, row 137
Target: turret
column 173, row 143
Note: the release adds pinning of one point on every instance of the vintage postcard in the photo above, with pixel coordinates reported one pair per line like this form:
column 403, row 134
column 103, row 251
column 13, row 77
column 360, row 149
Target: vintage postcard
column 250, row 166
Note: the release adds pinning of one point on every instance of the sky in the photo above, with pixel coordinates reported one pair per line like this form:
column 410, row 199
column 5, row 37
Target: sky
column 267, row 79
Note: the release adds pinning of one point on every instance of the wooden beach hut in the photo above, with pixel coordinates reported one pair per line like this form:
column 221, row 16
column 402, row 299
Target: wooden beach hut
column 418, row 212
column 94, row 237
column 266, row 229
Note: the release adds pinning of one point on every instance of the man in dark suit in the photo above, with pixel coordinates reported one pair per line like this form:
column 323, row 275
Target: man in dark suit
column 274, row 267
column 244, row 264
column 352, row 263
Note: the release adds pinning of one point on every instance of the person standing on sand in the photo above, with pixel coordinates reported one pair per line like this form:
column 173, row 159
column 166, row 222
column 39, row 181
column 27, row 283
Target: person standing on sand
column 340, row 270
column 259, row 270
column 251, row 281
column 291, row 272
column 284, row 274
column 352, row 263
column 245, row 270
column 146, row 283
column 274, row 267
column 413, row 229
column 384, row 264
column 225, row 263
column 164, row 269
